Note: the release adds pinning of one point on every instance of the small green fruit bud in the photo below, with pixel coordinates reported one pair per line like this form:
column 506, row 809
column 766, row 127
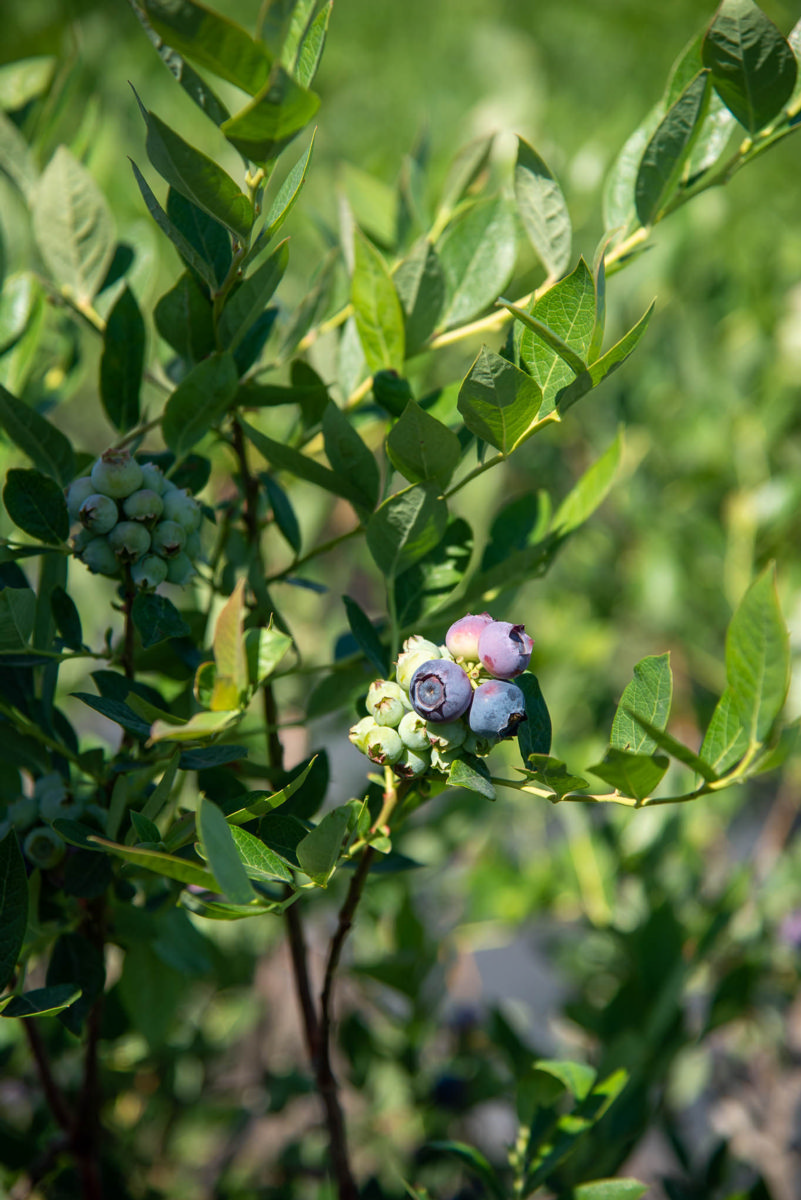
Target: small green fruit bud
column 384, row 745
column 359, row 733
column 99, row 557
column 98, row 513
column 116, row 474
column 77, row 492
column 180, row 569
column 43, row 847
column 411, row 764
column 386, row 702
column 129, row 540
column 413, row 731
column 193, row 547
column 416, row 651
column 149, row 572
column 447, row 735
column 181, row 507
column 169, row 539
column 144, row 505
column 153, row 478
column 23, row 813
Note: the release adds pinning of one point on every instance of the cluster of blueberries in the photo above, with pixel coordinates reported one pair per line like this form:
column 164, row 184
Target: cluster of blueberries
column 131, row 514
column 31, row 817
column 448, row 700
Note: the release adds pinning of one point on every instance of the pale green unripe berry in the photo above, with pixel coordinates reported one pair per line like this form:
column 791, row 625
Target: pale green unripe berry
column 43, row 847
column 386, row 702
column 169, row 539
column 416, row 651
column 413, row 731
column 144, row 505
column 360, row 732
column 181, row 507
column 129, row 540
column 447, row 735
column 77, row 492
column 52, row 809
column 180, row 569
column 82, row 540
column 149, row 572
column 98, row 513
column 442, row 760
column 23, row 813
column 412, row 763
column 384, row 745
column 116, row 474
column 99, row 557
column 153, row 478
column 480, row 746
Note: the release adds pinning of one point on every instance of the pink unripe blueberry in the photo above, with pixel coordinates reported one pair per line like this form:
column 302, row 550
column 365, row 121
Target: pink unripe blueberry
column 144, row 505
column 462, row 637
column 168, row 539
column 504, row 649
column 116, row 474
column 498, row 708
column 98, row 513
column 440, row 690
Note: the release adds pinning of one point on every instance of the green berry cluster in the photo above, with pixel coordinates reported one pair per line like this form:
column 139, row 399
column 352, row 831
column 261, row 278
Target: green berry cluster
column 31, row 817
column 395, row 734
column 131, row 515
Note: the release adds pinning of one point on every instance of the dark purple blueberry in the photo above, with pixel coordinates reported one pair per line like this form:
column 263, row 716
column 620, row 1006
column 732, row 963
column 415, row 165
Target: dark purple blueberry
column 462, row 637
column 440, row 690
column 504, row 649
column 498, row 708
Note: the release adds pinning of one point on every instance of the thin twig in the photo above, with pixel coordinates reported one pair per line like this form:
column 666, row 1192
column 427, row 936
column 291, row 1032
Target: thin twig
column 53, row 1093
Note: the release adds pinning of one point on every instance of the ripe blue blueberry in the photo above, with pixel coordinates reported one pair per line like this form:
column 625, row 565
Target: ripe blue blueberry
column 462, row 637
column 504, row 649
column 498, row 708
column 440, row 690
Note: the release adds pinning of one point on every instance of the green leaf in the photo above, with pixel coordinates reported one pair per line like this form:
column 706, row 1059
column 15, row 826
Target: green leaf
column 142, row 830
column 319, row 851
column 41, row 1002
column 377, row 308
column 310, row 50
column 568, row 310
column 477, row 253
column 423, row 587
column 198, row 728
column 21, row 82
column 349, row 456
column 568, row 355
column 598, row 371
column 73, row 226
column 283, row 512
column 366, row 636
column 758, row 658
column 609, row 1189
column 206, row 237
column 201, row 399
column 590, row 491
column 122, row 362
column 471, row 773
column 552, row 773
column 117, row 711
column 753, row 67
column 477, row 1163
column 258, row 804
column 260, row 862
column 421, row 288
column 196, row 176
column 542, row 209
column 221, row 853
column 669, row 148
column 76, row 962
column 184, row 318
column 406, row 527
column 17, row 617
column 470, row 162
column 13, row 905
column 195, row 87
column 673, row 747
column 250, row 299
column 170, row 866
column 577, row 1078
column 66, row 618
column 47, row 447
column 212, row 41
column 635, row 775
column 276, row 114
column 156, row 618
column 726, row 739
column 574, row 1125
column 36, row 504
column 182, row 244
column 422, row 448
column 287, row 194
column 16, row 160
column 498, row 401
column 649, row 695
column 618, row 197
column 264, row 649
column 19, row 302
column 534, row 735
column 284, row 457
column 229, row 646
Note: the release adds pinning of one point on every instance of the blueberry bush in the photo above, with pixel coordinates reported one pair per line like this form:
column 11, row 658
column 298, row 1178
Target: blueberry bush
column 255, row 511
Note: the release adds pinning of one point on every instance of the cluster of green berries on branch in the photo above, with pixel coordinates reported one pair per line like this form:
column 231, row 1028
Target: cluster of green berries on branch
column 32, row 816
column 447, row 701
column 131, row 515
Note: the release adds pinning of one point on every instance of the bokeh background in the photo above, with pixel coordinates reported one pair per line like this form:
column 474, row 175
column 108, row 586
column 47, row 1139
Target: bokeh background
column 661, row 941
